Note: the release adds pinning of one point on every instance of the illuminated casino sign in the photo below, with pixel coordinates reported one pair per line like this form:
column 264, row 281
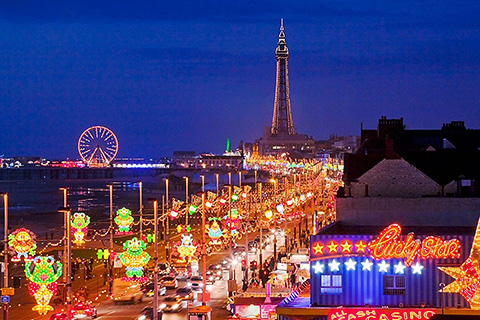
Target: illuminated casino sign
column 389, row 244
column 381, row 314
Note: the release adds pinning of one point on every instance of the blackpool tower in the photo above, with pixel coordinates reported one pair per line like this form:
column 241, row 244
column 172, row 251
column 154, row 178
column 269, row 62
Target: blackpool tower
column 282, row 123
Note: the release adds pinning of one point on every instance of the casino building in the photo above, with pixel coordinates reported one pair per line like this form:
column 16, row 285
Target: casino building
column 390, row 273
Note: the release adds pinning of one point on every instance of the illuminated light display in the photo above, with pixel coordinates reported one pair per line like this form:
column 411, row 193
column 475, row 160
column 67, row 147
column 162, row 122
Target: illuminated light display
column 43, row 273
column 302, row 197
column 22, row 243
column 467, row 276
column 332, row 247
column 380, row 314
column 186, row 249
column 214, row 231
column 192, row 209
column 232, row 222
column 173, row 214
column 383, row 266
column 334, row 265
column 234, row 197
column 104, row 254
column 97, row 146
column 346, row 246
column 134, row 258
column 280, row 208
column 360, row 246
column 208, row 204
column 417, row 268
column 269, row 214
column 350, row 264
column 290, row 202
column 389, row 246
column 318, row 248
column 183, row 228
column 318, row 267
column 223, row 200
column 367, row 265
column 79, row 227
column 123, row 220
column 399, row 268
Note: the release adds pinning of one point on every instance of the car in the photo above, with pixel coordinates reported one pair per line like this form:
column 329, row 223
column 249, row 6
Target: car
column 171, row 304
column 126, row 291
column 184, row 293
column 147, row 314
column 148, row 289
column 170, row 282
column 59, row 316
column 196, row 282
column 83, row 310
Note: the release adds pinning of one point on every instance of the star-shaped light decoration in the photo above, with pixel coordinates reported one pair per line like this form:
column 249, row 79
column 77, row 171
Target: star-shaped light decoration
column 350, row 264
column 318, row 248
column 318, row 267
column 346, row 246
column 467, row 276
column 417, row 268
column 360, row 246
column 367, row 265
column 383, row 266
column 399, row 268
column 332, row 247
column 334, row 265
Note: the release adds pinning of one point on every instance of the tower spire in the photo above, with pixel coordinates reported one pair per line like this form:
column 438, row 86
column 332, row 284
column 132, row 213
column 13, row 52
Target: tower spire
column 282, row 123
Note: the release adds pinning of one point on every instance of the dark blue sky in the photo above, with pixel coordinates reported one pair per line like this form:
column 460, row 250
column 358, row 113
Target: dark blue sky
column 185, row 75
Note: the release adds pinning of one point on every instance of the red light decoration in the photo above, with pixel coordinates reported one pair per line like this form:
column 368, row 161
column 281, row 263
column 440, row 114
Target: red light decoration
column 332, row 247
column 318, row 248
column 389, row 246
column 360, row 246
column 346, row 246
column 381, row 314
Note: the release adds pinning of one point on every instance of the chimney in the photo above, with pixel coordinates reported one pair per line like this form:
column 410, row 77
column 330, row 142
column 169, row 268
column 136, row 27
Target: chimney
column 389, row 150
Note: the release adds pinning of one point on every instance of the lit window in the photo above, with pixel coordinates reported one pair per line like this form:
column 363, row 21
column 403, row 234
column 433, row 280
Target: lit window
column 394, row 285
column 331, row 284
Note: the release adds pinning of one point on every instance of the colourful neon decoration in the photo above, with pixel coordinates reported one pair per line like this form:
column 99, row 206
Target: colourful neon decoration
column 381, row 314
column 43, row 273
column 186, row 249
column 233, row 222
column 367, row 265
column 134, row 258
column 383, row 266
column 318, row 267
column 192, row 209
column 417, row 268
column 22, row 243
column 214, row 231
column 346, row 246
column 334, row 265
column 389, row 246
column 399, row 268
column 280, row 208
column 123, row 220
column 350, row 264
column 79, row 227
column 173, row 214
column 360, row 246
column 332, row 247
column 268, row 214
column 318, row 248
column 183, row 228
column 467, row 276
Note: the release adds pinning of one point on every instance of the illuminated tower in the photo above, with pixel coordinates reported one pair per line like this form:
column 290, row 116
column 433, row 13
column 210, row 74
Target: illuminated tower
column 282, row 123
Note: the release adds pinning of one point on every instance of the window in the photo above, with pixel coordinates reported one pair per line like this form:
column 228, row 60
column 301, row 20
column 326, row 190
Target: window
column 394, row 285
column 331, row 284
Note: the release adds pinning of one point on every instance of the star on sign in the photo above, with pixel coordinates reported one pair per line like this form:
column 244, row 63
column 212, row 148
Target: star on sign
column 350, row 264
column 360, row 246
column 383, row 266
column 332, row 247
column 417, row 268
column 399, row 268
column 367, row 265
column 467, row 276
column 346, row 246
column 334, row 265
column 318, row 267
column 318, row 248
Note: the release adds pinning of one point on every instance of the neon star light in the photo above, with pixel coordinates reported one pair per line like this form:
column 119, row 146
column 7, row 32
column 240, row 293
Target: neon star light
column 367, row 265
column 346, row 246
column 22, row 243
column 318, row 248
column 134, row 258
column 399, row 268
column 332, row 247
column 389, row 246
column 318, row 267
column 350, row 264
column 417, row 268
column 360, row 246
column 43, row 273
column 79, row 227
column 334, row 265
column 123, row 220
column 383, row 266
column 467, row 276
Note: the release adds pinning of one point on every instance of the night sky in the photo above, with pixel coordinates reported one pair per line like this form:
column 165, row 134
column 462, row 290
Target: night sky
column 185, row 75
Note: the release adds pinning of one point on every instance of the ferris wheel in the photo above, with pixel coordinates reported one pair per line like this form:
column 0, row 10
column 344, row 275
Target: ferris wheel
column 97, row 146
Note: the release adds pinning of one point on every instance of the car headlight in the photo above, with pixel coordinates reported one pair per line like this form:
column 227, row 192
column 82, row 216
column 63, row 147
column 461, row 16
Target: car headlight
column 219, row 273
column 142, row 317
column 175, row 306
column 163, row 306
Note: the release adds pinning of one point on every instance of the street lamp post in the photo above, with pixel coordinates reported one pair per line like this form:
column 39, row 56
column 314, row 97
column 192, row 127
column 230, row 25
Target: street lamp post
column 5, row 252
column 140, row 188
column 110, row 193
column 167, row 234
column 203, row 182
column 65, row 249
column 217, row 176
column 68, row 252
column 240, row 179
column 186, row 201
column 204, row 252
column 155, row 270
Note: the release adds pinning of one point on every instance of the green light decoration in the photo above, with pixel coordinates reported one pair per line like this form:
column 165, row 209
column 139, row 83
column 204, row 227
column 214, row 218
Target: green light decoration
column 192, row 209
column 123, row 220
column 234, row 198
column 79, row 227
column 134, row 258
column 228, row 146
column 43, row 273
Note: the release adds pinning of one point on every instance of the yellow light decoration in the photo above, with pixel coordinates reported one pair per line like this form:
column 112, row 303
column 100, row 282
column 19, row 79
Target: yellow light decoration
column 467, row 276
column 22, row 243
column 268, row 214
